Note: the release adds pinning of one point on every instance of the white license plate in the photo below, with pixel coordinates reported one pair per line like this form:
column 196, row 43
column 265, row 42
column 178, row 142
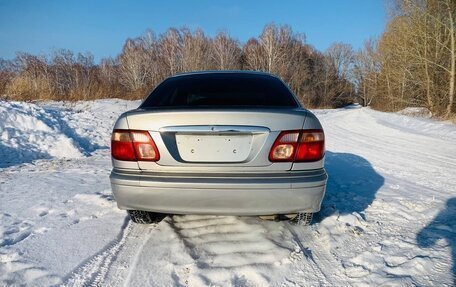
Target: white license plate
column 214, row 148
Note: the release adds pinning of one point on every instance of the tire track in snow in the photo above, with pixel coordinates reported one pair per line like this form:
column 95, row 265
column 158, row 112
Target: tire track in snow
column 227, row 251
column 93, row 272
column 389, row 149
column 308, row 254
column 134, row 261
column 323, row 265
column 345, row 128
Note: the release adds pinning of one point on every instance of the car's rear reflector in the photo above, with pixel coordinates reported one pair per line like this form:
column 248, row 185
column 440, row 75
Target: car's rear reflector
column 133, row 145
column 298, row 146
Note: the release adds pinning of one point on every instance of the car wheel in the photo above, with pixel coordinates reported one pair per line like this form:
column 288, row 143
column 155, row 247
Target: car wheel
column 303, row 218
column 145, row 217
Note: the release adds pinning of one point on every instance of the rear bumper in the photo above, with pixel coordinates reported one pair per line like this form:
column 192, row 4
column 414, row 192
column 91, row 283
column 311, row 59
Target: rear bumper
column 224, row 194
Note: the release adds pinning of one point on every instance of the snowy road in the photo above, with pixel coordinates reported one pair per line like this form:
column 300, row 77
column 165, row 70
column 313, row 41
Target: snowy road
column 389, row 215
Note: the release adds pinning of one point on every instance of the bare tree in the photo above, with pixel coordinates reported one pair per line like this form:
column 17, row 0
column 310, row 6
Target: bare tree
column 341, row 57
column 366, row 70
column 7, row 75
column 196, row 52
column 270, row 44
column 134, row 64
column 170, row 49
column 253, row 57
column 226, row 52
column 417, row 54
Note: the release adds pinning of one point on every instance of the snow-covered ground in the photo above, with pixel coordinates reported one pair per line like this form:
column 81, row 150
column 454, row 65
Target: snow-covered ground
column 388, row 218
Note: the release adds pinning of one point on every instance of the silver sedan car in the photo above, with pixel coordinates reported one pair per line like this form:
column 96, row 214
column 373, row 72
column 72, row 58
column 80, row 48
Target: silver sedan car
column 221, row 143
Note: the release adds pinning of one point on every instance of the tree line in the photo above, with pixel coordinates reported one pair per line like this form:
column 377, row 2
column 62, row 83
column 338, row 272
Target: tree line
column 147, row 60
column 413, row 63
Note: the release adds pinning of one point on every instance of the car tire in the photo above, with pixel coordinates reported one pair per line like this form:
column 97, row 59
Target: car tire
column 303, row 219
column 145, row 217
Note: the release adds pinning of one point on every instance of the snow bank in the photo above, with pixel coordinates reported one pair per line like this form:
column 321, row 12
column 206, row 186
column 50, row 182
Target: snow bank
column 416, row 112
column 415, row 124
column 29, row 132
column 56, row 129
column 92, row 121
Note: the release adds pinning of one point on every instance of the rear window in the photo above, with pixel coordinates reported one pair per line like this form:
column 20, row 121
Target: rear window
column 223, row 90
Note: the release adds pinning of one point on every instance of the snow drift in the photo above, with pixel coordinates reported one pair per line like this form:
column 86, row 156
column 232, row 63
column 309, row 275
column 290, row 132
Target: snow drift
column 30, row 131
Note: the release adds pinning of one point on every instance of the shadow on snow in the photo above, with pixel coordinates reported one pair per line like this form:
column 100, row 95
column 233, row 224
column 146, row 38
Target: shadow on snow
column 443, row 226
column 84, row 144
column 352, row 187
column 352, row 184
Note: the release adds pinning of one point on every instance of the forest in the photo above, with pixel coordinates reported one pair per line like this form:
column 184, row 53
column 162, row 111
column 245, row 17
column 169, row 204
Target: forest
column 412, row 64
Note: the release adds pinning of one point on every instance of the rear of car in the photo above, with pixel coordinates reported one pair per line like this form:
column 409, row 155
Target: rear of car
column 231, row 143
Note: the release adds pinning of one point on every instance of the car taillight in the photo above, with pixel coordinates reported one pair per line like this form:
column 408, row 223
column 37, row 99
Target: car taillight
column 132, row 145
column 298, row 146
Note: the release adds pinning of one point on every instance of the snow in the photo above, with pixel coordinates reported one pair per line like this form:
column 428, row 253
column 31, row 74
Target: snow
column 388, row 218
column 55, row 130
column 29, row 132
column 416, row 112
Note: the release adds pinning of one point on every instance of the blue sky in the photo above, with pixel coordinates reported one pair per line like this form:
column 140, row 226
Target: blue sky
column 101, row 26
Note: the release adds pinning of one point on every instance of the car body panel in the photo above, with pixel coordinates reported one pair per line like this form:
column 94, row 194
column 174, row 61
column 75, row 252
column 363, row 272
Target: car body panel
column 236, row 194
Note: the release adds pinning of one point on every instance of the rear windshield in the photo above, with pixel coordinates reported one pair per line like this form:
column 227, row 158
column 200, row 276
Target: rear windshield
column 229, row 90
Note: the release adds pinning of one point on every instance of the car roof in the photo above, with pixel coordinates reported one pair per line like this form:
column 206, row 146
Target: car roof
column 221, row 72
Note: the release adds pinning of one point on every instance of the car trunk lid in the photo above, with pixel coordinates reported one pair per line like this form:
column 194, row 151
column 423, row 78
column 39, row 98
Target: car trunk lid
column 217, row 140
